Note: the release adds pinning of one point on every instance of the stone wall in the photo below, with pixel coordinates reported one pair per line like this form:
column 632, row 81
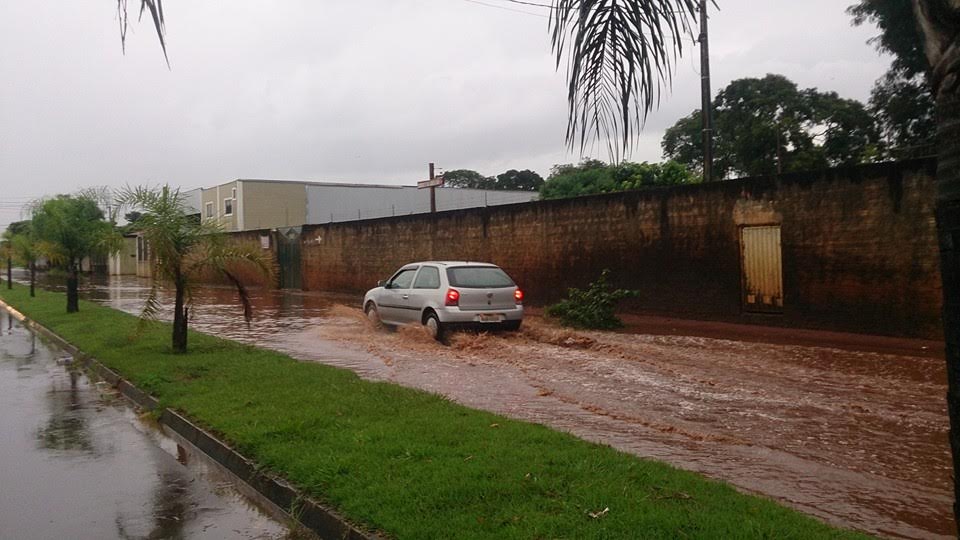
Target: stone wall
column 858, row 247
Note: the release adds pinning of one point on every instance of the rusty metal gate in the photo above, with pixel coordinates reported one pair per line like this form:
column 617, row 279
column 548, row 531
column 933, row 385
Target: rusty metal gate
column 762, row 269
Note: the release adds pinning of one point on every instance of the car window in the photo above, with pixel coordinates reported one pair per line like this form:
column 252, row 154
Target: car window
column 403, row 279
column 478, row 277
column 428, row 278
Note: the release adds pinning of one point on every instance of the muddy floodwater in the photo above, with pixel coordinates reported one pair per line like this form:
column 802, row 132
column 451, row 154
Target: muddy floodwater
column 855, row 437
column 77, row 462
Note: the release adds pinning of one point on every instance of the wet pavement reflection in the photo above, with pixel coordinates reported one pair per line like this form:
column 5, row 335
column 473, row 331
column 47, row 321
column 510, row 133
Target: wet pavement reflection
column 856, row 438
column 77, row 462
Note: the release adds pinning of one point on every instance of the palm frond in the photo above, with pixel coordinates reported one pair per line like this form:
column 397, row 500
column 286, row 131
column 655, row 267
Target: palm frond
column 619, row 55
column 156, row 12
column 244, row 296
column 151, row 307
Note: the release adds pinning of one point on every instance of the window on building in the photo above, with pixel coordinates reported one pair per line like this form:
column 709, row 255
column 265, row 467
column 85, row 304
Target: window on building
column 209, row 209
column 228, row 207
column 233, row 193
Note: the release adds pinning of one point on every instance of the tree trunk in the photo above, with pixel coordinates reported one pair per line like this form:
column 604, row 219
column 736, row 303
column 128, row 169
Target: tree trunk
column 180, row 318
column 9, row 272
column 948, row 229
column 33, row 277
column 73, row 296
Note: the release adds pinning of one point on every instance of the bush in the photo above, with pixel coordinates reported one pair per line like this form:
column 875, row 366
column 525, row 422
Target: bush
column 592, row 307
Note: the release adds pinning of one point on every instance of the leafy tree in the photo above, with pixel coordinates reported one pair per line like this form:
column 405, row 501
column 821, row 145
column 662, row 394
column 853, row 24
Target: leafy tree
column 25, row 250
column 769, row 125
column 593, row 176
column 901, row 100
column 73, row 228
column 184, row 251
column 904, row 109
column 6, row 253
column 465, row 178
column 525, row 180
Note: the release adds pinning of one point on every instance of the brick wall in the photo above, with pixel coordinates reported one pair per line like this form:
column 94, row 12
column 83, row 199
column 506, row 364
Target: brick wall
column 858, row 247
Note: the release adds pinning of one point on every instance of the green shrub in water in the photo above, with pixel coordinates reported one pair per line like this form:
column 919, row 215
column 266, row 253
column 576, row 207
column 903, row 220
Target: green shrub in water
column 592, row 307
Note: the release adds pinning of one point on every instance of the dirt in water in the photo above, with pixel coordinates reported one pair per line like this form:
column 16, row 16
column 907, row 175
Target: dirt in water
column 856, row 438
column 856, row 435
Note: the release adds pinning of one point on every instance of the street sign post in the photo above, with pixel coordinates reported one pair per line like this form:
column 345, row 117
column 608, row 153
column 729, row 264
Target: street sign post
column 433, row 183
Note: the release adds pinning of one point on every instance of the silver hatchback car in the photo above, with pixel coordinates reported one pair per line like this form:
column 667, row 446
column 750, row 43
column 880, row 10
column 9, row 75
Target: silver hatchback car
column 445, row 294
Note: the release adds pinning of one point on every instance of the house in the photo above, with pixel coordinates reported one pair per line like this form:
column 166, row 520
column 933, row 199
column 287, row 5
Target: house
column 247, row 205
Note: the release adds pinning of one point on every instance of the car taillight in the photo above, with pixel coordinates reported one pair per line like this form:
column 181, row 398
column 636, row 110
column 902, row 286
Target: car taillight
column 453, row 297
column 518, row 296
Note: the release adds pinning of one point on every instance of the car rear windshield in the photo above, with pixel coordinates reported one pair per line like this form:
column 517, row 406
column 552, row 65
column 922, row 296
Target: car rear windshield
column 478, row 277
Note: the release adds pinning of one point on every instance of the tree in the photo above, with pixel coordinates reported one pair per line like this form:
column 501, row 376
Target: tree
column 26, row 249
column 6, row 253
column 901, row 100
column 593, row 176
column 465, row 178
column 184, row 251
column 525, row 180
column 768, row 125
column 939, row 22
column 73, row 228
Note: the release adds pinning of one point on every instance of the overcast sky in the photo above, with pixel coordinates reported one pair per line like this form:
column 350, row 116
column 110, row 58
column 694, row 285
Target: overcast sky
column 350, row 90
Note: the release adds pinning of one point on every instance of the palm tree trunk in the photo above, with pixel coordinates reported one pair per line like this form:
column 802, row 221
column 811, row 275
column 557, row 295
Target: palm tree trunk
column 180, row 318
column 33, row 277
column 948, row 229
column 73, row 296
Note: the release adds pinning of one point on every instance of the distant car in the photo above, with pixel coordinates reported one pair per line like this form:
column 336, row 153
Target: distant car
column 443, row 295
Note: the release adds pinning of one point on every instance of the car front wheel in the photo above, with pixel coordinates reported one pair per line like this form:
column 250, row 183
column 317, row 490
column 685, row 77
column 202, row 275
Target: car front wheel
column 373, row 315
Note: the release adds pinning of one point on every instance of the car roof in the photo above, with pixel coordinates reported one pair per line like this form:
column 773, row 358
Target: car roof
column 453, row 263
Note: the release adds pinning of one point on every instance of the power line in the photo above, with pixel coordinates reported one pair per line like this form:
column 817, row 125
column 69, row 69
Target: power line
column 478, row 2
column 521, row 2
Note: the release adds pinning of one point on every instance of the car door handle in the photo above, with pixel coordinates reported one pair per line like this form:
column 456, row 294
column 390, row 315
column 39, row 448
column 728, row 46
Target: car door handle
column 406, row 296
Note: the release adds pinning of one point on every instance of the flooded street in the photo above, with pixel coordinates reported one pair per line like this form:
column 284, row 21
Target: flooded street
column 77, row 462
column 856, row 438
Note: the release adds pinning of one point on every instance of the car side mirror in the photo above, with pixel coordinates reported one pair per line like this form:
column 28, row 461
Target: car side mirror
column 379, row 283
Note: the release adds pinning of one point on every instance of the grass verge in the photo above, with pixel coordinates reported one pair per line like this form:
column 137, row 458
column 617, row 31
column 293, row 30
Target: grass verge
column 409, row 463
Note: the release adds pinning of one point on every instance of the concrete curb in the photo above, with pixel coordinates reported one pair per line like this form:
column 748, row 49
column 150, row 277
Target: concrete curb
column 322, row 520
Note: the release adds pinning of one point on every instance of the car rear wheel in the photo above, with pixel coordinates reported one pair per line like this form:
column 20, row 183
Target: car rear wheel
column 434, row 326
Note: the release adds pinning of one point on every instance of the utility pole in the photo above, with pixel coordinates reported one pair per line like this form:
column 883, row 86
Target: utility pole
column 706, row 108
column 433, row 192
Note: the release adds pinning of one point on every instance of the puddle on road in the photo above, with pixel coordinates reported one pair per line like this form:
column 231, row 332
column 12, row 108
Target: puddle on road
column 77, row 462
column 856, row 438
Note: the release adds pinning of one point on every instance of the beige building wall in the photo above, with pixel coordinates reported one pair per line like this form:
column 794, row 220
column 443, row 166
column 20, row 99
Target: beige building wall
column 268, row 205
column 219, row 204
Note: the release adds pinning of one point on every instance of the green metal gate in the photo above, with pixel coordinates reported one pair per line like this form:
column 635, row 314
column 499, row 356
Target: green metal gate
column 288, row 258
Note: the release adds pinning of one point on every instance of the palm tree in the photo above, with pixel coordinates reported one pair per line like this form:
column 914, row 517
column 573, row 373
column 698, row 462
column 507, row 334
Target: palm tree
column 185, row 250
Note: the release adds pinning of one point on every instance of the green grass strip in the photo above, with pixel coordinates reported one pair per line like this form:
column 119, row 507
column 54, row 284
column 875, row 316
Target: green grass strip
column 410, row 463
